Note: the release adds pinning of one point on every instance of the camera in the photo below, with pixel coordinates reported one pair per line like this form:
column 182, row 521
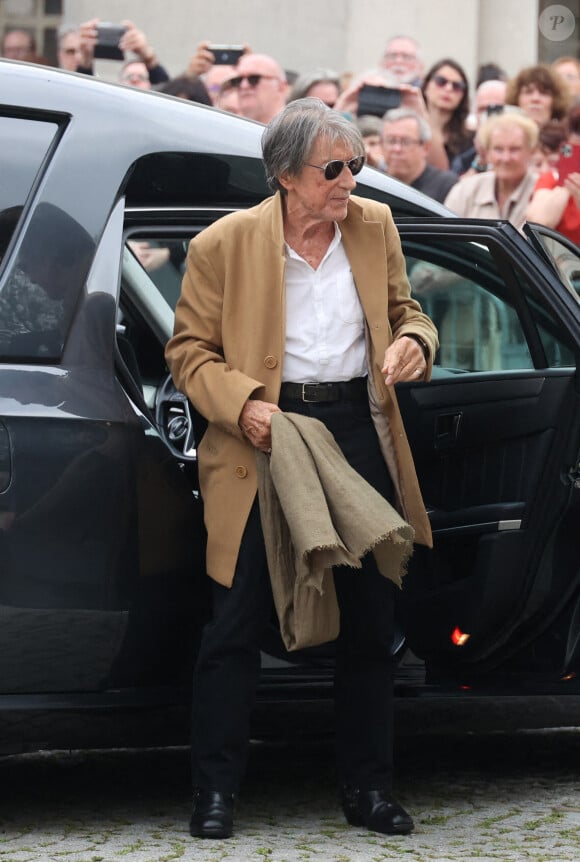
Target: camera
column 377, row 100
column 108, row 38
column 226, row 55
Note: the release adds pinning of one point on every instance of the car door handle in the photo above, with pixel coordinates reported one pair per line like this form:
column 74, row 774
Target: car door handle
column 447, row 430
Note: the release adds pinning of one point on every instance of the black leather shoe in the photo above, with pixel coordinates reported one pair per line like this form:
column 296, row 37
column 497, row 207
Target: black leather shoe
column 376, row 810
column 213, row 814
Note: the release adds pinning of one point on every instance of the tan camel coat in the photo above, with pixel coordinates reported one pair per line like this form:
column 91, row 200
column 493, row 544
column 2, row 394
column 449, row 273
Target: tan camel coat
column 229, row 343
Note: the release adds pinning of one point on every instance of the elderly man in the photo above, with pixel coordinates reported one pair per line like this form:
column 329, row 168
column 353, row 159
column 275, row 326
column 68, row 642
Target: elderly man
column 406, row 138
column 402, row 59
column 261, row 85
column 300, row 304
column 18, row 44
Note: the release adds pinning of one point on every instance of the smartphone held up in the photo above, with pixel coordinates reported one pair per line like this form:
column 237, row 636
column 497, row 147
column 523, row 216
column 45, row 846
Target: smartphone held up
column 377, row 100
column 226, row 55
column 107, row 44
column 569, row 162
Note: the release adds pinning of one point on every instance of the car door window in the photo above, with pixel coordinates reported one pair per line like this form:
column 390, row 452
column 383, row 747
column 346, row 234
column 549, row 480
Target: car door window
column 32, row 312
column 25, row 144
column 561, row 253
column 484, row 306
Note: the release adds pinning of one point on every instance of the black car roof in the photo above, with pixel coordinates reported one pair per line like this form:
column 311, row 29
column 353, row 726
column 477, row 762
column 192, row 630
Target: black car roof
column 116, row 125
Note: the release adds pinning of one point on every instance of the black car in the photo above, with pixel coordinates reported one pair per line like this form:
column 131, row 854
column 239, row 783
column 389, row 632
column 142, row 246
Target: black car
column 102, row 583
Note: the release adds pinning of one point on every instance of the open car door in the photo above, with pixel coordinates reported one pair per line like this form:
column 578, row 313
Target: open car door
column 496, row 438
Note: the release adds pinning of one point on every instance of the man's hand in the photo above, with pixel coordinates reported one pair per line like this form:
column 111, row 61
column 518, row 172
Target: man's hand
column 201, row 61
column 255, row 420
column 88, row 33
column 135, row 40
column 404, row 360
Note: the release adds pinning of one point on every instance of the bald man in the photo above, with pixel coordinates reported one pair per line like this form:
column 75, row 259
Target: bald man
column 262, row 87
column 489, row 99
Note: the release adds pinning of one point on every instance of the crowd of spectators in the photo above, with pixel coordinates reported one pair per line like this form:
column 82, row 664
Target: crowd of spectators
column 497, row 149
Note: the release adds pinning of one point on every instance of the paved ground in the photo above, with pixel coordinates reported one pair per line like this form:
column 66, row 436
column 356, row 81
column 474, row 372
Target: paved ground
column 483, row 797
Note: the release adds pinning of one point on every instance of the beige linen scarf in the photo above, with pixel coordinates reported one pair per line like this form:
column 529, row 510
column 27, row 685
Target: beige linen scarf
column 318, row 512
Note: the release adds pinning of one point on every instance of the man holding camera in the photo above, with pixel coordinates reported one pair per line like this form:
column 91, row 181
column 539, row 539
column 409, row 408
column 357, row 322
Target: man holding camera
column 122, row 38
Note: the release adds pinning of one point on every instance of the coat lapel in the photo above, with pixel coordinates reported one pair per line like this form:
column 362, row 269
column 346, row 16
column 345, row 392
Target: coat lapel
column 364, row 243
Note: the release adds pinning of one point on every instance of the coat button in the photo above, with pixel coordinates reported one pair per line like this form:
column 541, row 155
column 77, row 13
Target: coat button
column 270, row 362
column 241, row 472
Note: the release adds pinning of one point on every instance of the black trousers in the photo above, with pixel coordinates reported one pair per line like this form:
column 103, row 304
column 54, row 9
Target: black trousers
column 228, row 665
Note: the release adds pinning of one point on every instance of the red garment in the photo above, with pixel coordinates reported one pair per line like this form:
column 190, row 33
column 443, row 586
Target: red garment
column 569, row 224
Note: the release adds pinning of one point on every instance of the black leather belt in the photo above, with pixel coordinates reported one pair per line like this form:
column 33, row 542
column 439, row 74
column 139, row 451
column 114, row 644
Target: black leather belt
column 348, row 390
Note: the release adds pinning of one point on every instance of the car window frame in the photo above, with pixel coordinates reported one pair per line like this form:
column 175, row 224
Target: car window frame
column 535, row 233
column 510, row 249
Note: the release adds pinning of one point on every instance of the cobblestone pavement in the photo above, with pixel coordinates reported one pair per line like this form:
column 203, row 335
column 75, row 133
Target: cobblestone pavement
column 488, row 797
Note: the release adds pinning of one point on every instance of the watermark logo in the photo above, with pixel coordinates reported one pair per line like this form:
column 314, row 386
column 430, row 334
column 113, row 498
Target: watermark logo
column 557, row 23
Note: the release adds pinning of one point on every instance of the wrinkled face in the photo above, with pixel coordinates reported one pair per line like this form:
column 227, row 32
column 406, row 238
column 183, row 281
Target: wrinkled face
column 509, row 154
column 404, row 153
column 401, row 59
column 445, row 89
column 69, row 52
column 326, row 91
column 536, row 104
column 313, row 198
column 17, row 46
column 136, row 75
column 264, row 98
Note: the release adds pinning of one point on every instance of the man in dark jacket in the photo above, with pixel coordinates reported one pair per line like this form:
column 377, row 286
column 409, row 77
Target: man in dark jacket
column 406, row 137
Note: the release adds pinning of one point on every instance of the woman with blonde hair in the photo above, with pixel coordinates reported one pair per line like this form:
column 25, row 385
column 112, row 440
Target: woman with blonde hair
column 504, row 190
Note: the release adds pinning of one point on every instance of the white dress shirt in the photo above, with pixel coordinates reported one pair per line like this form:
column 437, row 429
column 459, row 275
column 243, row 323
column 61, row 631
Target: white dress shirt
column 325, row 338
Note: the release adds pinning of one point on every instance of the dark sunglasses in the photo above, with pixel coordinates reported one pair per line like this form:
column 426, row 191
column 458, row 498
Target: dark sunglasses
column 253, row 80
column 442, row 81
column 333, row 169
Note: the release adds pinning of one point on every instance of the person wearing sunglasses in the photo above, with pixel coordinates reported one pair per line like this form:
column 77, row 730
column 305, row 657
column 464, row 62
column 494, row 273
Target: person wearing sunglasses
column 261, row 85
column 446, row 94
column 299, row 304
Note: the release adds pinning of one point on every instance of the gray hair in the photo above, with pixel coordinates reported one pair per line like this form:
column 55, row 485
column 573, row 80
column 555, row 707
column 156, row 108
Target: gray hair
column 64, row 30
column 407, row 114
column 409, row 39
column 369, row 124
column 288, row 139
column 303, row 83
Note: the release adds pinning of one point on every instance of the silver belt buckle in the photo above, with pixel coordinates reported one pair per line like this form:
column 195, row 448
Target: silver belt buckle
column 304, row 398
